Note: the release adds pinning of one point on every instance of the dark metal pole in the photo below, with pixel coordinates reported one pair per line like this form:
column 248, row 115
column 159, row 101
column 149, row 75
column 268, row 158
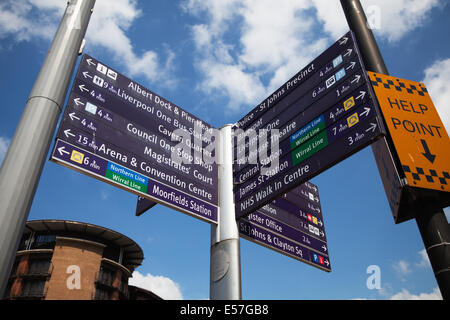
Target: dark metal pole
column 22, row 166
column 433, row 227
column 432, row 223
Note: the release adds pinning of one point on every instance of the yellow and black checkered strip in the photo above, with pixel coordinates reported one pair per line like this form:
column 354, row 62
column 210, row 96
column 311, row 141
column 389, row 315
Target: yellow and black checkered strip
column 431, row 176
column 399, row 86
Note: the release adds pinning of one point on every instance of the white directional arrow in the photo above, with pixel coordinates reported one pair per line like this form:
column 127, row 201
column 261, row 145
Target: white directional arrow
column 324, row 247
column 357, row 77
column 366, row 112
column 349, row 52
column 89, row 61
column 372, row 127
column 87, row 75
column 62, row 151
column 322, row 234
column 78, row 102
column 68, row 133
column 82, row 88
column 352, row 65
column 362, row 95
column 343, row 41
column 328, row 264
column 73, row 116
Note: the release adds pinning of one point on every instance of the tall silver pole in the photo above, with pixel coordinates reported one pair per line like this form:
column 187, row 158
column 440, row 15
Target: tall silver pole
column 225, row 265
column 23, row 163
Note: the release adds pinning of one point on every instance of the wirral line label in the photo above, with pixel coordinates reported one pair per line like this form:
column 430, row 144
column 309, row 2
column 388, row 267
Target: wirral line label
column 304, row 152
column 307, row 132
column 125, row 181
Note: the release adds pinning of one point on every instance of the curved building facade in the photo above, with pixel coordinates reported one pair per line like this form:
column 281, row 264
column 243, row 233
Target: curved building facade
column 69, row 260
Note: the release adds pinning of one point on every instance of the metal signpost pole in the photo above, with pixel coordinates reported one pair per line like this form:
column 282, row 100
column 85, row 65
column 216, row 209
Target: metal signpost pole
column 23, row 163
column 431, row 221
column 225, row 267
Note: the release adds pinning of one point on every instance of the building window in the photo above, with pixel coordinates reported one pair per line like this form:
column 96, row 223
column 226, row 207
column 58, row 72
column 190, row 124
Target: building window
column 101, row 294
column 105, row 276
column 45, row 242
column 39, row 267
column 33, row 289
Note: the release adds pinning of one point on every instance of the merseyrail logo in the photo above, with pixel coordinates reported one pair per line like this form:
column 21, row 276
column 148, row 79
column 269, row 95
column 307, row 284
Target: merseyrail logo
column 77, row 157
column 349, row 103
column 419, row 136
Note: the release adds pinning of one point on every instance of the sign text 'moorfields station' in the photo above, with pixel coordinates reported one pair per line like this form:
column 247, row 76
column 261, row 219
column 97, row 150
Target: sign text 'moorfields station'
column 124, row 134
column 325, row 113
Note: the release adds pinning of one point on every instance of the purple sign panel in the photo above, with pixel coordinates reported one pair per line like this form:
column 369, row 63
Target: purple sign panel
column 302, row 220
column 111, row 118
column 275, row 226
column 316, row 71
column 314, row 164
column 92, row 71
column 288, row 225
column 114, row 173
column 274, row 241
column 323, row 120
column 115, row 122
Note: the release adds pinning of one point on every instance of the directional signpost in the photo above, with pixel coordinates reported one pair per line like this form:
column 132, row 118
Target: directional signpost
column 324, row 114
column 292, row 225
column 122, row 133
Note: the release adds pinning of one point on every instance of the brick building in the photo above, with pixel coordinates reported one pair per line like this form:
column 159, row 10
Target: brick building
column 69, row 260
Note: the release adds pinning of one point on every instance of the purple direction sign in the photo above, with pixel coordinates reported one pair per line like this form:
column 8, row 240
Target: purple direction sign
column 299, row 219
column 282, row 229
column 281, row 115
column 352, row 86
column 84, row 130
column 322, row 67
column 160, row 169
column 100, row 76
column 311, row 139
column 314, row 160
column 337, row 119
column 116, row 174
column 257, row 234
column 94, row 119
column 112, row 118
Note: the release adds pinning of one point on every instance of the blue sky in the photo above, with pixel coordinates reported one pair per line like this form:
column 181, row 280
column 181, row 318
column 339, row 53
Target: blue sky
column 218, row 59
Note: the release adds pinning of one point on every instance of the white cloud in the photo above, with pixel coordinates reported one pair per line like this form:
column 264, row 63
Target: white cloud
column 424, row 260
column 25, row 20
column 437, row 81
column 4, row 144
column 402, row 268
column 162, row 286
column 14, row 19
column 246, row 49
column 406, row 295
column 396, row 18
column 447, row 213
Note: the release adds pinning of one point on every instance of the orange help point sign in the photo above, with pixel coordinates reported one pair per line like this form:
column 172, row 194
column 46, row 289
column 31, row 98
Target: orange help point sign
column 419, row 136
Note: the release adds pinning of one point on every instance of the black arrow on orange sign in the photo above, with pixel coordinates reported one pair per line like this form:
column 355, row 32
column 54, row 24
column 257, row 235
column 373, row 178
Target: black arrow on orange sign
column 427, row 153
